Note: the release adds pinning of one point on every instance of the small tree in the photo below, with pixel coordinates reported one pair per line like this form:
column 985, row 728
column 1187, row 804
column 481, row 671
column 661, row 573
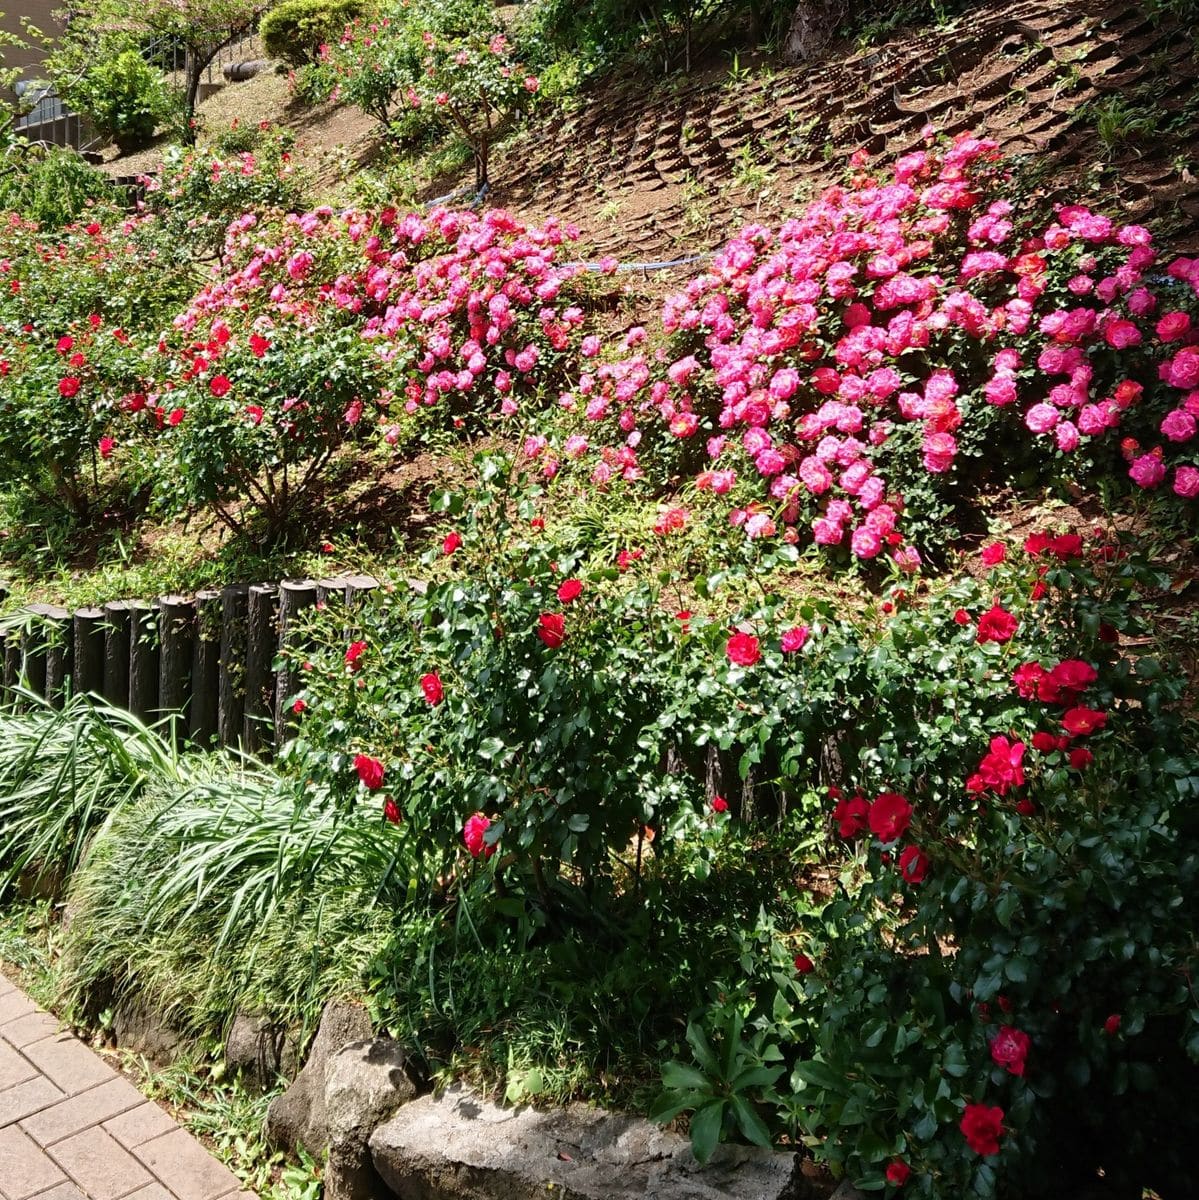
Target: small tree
column 199, row 27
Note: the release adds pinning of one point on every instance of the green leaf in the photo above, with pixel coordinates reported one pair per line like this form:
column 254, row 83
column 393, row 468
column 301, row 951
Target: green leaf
column 679, row 1077
column 705, row 1130
column 698, row 1042
column 750, row 1124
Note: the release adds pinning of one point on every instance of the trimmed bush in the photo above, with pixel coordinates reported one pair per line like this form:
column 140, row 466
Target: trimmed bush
column 124, row 97
column 295, row 30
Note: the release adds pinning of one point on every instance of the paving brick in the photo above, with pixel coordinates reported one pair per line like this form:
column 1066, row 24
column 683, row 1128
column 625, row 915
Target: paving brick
column 153, row 1191
column 82, row 1111
column 15, row 1004
column 27, row 1098
column 6, row 985
column 32, row 1027
column 14, row 1068
column 68, row 1063
column 24, row 1169
column 97, row 1163
column 140, row 1125
column 64, row 1191
column 187, row 1169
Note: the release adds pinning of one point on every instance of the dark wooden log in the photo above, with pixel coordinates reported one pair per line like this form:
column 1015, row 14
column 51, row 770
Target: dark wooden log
column 258, row 732
column 60, row 653
column 231, row 700
column 144, row 654
column 89, row 650
column 115, row 687
column 33, row 652
column 331, row 591
column 205, row 680
column 295, row 595
column 177, row 635
column 358, row 588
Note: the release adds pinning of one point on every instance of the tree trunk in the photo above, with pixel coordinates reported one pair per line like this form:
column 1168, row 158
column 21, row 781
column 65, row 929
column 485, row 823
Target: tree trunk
column 812, row 28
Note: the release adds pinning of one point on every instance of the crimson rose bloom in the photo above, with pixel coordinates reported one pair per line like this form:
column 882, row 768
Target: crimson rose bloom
column 451, row 542
column 472, row 836
column 982, row 1127
column 1112, row 1025
column 994, row 554
column 1083, row 720
column 804, row 965
column 961, row 617
column 898, row 1172
column 719, row 804
column 370, row 771
column 743, row 649
column 852, row 816
column 996, row 625
column 391, row 811
column 218, row 385
column 68, row 387
column 551, row 629
column 890, row 815
column 354, row 653
column 430, row 684
column 1026, row 679
column 1009, row 1049
column 913, row 864
column 570, row 590
column 1002, row 767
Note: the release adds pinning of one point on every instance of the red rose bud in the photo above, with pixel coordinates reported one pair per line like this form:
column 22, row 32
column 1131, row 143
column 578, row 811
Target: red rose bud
column 391, row 811
column 961, row 617
column 898, row 1172
column 451, row 542
column 1112, row 1025
column 298, row 707
column 804, row 965
column 719, row 804
column 551, row 629
column 354, row 653
column 430, row 684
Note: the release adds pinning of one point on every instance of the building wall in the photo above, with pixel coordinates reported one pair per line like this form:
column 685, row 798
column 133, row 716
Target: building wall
column 38, row 11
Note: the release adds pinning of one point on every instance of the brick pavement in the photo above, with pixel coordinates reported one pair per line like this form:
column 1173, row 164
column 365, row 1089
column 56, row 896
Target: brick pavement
column 72, row 1128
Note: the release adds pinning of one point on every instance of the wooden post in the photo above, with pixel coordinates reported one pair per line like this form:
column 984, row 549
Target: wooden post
column 231, row 702
column 177, row 633
column 205, row 674
column 116, row 652
column 144, row 654
column 6, row 637
column 60, row 653
column 295, row 595
column 331, row 591
column 358, row 588
column 89, row 651
column 259, row 725
column 12, row 667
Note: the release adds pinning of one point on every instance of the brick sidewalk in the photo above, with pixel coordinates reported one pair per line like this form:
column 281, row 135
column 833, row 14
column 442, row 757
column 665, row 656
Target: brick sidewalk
column 71, row 1128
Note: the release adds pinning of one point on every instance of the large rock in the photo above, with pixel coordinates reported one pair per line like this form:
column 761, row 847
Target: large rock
column 137, row 1025
column 297, row 1118
column 365, row 1082
column 460, row 1147
column 256, row 1048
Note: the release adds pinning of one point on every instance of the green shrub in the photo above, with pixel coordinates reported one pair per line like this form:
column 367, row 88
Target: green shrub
column 52, row 186
column 296, row 29
column 124, row 97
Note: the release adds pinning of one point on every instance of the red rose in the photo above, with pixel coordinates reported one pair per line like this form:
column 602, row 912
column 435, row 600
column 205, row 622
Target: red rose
column 961, row 617
column 794, row 639
column 1009, row 1049
column 1026, row 679
column 852, row 816
column 1044, row 742
column 472, row 836
column 804, row 965
column 890, row 815
column 743, row 649
column 994, row 554
column 1065, row 547
column 299, row 707
column 996, row 625
column 354, row 653
column 175, row 416
column 370, row 771
column 106, row 446
column 219, row 385
column 1026, row 808
column 1112, row 1025
column 1036, row 543
column 430, row 684
column 1002, row 766
column 451, row 542
column 68, row 386
column 570, row 590
column 1081, row 758
column 391, row 811
column 913, row 864
column 898, row 1172
column 551, row 629
column 982, row 1127
column 719, row 804
column 1082, row 720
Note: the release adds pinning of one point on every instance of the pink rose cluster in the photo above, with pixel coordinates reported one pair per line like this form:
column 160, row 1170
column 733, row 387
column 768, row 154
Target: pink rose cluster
column 921, row 299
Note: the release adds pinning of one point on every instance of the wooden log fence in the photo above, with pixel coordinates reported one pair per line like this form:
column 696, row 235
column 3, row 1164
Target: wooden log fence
column 220, row 662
